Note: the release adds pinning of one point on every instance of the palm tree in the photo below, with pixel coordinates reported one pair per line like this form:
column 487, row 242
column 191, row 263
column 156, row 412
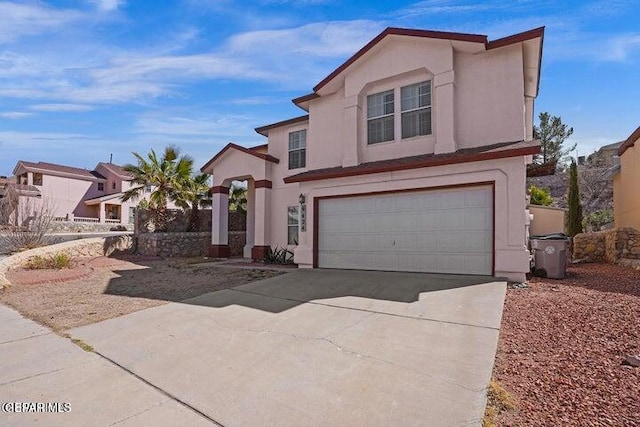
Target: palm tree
column 163, row 176
column 192, row 194
column 237, row 198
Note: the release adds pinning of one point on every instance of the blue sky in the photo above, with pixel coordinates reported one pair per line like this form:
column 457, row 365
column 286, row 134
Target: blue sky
column 83, row 79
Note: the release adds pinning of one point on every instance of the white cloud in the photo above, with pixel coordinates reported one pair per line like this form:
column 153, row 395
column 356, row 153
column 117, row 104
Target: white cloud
column 14, row 115
column 62, row 107
column 28, row 19
column 208, row 125
column 108, row 5
column 621, row 47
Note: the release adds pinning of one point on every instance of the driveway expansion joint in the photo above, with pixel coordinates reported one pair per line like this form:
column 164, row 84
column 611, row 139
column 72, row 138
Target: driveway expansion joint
column 369, row 311
column 162, row 391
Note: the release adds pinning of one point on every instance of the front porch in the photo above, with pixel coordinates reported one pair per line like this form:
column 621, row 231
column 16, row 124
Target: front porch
column 235, row 163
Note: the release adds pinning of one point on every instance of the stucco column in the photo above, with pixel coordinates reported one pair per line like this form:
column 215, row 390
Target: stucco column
column 443, row 113
column 528, row 118
column 262, row 230
column 251, row 219
column 219, row 222
column 103, row 212
column 351, row 141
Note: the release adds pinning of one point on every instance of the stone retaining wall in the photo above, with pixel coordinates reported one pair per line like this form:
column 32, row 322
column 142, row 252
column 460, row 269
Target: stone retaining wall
column 96, row 246
column 607, row 246
column 173, row 244
column 87, row 227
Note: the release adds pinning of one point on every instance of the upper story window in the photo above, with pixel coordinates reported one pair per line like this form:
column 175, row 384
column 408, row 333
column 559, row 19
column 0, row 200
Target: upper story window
column 113, row 185
column 415, row 113
column 380, row 108
column 37, row 179
column 101, row 186
column 298, row 149
column 416, row 109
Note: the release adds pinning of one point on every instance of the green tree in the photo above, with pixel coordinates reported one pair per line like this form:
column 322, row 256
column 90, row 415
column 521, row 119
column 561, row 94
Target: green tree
column 192, row 193
column 540, row 196
column 237, row 198
column 163, row 176
column 552, row 133
column 575, row 208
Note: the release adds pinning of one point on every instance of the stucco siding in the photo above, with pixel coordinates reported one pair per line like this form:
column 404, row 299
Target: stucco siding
column 65, row 195
column 489, row 97
column 626, row 195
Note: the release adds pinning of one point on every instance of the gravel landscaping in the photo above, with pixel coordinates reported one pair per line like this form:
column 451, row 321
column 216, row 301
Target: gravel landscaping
column 101, row 288
column 562, row 346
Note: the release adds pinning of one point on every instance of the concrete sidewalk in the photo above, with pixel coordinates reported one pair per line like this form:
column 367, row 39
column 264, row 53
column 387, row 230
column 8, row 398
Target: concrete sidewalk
column 38, row 366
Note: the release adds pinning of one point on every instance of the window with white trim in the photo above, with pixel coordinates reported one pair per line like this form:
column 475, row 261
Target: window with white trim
column 415, row 105
column 380, row 109
column 293, row 220
column 298, row 149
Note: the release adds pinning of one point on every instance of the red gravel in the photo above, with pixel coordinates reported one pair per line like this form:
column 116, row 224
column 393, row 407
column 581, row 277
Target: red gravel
column 561, row 348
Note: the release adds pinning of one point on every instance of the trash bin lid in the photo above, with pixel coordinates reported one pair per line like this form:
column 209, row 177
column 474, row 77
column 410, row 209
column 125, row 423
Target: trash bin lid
column 554, row 236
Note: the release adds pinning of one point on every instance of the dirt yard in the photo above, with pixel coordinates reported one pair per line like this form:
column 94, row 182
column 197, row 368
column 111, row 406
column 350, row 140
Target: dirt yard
column 97, row 289
column 562, row 345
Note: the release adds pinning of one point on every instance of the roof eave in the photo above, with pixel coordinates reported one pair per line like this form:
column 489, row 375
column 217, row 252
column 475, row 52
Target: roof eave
column 475, row 157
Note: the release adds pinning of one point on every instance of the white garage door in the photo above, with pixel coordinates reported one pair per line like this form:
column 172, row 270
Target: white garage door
column 440, row 231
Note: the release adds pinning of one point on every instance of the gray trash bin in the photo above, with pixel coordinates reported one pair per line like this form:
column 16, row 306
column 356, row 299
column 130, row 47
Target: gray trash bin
column 550, row 254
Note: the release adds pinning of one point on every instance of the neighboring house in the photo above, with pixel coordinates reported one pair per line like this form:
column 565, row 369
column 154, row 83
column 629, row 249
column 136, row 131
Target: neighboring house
column 626, row 176
column 412, row 158
column 75, row 194
column 606, row 156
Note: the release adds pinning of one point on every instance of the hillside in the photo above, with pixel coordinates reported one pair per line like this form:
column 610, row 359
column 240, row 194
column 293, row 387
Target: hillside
column 596, row 192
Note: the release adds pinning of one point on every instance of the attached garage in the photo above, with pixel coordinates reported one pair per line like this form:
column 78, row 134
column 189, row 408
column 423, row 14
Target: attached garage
column 445, row 230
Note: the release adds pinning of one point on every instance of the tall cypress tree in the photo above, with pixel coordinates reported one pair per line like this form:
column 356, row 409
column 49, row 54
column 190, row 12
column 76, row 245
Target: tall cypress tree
column 575, row 208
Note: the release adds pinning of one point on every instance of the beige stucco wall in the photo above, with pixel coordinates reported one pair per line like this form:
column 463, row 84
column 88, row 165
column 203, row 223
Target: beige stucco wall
column 478, row 98
column 626, row 192
column 546, row 220
column 65, row 195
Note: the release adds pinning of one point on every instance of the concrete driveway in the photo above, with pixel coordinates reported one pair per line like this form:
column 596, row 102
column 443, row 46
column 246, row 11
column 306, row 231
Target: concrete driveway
column 319, row 347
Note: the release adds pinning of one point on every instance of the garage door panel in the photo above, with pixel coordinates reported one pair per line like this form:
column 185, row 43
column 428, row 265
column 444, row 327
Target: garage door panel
column 479, row 198
column 448, row 231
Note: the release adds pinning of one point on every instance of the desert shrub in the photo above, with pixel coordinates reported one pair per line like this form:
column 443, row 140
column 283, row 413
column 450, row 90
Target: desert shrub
column 540, row 196
column 24, row 224
column 278, row 256
column 595, row 220
column 57, row 261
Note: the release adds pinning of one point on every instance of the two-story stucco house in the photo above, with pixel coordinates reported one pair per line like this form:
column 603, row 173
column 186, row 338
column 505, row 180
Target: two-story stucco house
column 626, row 176
column 76, row 194
column 412, row 158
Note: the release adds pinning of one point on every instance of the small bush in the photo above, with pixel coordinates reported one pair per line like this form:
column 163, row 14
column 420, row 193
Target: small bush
column 56, row 261
column 540, row 196
column 498, row 401
column 278, row 255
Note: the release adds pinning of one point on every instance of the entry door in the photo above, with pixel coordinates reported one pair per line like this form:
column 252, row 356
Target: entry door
column 439, row 231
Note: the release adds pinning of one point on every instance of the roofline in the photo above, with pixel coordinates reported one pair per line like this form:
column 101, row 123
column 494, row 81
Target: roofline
column 106, row 165
column 629, row 142
column 264, row 130
column 516, row 38
column 429, row 162
column 442, row 35
column 473, row 38
column 259, row 147
column 56, row 173
column 231, row 145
